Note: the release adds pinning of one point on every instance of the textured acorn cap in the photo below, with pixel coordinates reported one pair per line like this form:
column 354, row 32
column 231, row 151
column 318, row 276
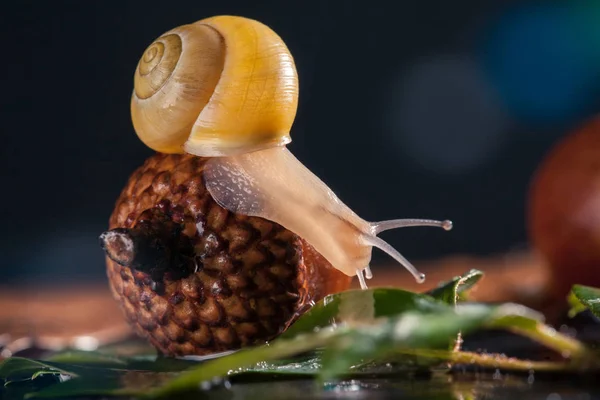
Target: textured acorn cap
column 248, row 278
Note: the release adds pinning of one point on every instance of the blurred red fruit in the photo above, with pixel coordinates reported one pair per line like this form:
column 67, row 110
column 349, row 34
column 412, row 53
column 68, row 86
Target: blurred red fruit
column 564, row 210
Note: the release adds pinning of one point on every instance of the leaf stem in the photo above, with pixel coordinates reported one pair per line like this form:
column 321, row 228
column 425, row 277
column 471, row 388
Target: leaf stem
column 500, row 361
column 491, row 360
column 551, row 338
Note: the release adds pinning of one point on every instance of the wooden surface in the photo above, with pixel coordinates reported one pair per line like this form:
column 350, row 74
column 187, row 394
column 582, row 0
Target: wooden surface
column 87, row 316
column 58, row 317
column 510, row 277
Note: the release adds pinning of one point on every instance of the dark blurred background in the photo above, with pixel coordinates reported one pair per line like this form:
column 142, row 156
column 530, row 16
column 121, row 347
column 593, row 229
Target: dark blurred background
column 422, row 108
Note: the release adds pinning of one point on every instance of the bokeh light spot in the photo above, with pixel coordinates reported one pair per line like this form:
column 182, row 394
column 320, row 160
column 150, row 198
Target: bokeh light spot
column 445, row 117
column 543, row 60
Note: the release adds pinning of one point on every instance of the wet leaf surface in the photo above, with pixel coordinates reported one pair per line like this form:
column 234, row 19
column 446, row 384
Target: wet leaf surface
column 456, row 289
column 588, row 297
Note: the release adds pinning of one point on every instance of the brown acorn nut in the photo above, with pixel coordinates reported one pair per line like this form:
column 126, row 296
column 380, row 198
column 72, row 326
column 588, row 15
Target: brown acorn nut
column 194, row 278
column 564, row 210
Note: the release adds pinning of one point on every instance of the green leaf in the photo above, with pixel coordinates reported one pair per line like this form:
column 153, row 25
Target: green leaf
column 588, row 297
column 456, row 289
column 23, row 376
column 307, row 365
column 17, row 369
column 348, row 345
column 412, row 330
column 361, row 306
column 367, row 305
column 575, row 305
column 529, row 323
column 242, row 360
column 87, row 373
column 19, row 390
column 106, row 382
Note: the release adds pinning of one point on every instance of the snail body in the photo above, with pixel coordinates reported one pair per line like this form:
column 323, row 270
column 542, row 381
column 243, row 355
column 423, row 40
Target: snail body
column 237, row 110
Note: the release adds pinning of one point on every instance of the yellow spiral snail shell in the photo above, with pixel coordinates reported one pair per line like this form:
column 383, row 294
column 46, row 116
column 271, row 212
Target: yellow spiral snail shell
column 218, row 87
column 226, row 87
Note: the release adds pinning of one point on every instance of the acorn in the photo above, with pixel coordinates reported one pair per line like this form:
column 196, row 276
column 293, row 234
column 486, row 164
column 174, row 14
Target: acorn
column 194, row 278
column 564, row 210
column 223, row 238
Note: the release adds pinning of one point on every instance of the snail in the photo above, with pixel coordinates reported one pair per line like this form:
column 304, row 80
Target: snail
column 223, row 238
column 227, row 88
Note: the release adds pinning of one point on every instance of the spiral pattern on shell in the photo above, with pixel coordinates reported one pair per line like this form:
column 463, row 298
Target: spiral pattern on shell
column 221, row 86
column 157, row 64
column 173, row 83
